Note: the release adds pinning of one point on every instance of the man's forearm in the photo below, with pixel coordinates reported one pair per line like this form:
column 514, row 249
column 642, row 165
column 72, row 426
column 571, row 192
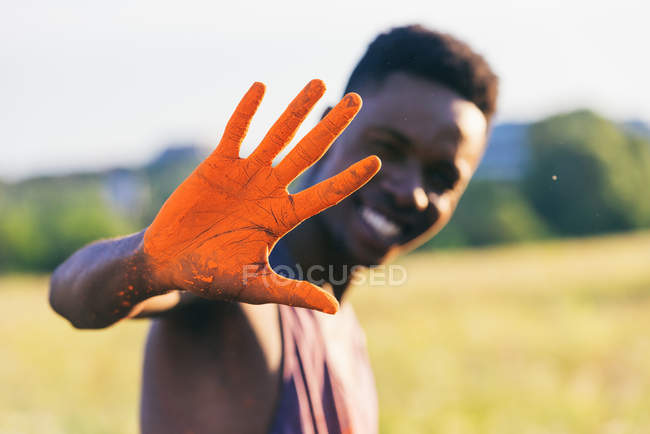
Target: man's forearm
column 103, row 282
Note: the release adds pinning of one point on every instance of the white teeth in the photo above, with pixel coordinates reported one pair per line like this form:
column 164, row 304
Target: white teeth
column 379, row 223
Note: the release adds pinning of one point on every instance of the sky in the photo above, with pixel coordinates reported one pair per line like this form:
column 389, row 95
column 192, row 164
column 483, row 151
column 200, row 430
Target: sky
column 93, row 85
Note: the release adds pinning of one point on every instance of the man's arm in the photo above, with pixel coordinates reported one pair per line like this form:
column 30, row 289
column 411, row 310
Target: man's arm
column 107, row 281
column 212, row 237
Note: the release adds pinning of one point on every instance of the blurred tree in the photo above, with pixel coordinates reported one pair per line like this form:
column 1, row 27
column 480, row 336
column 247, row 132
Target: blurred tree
column 602, row 183
column 47, row 219
column 491, row 212
column 586, row 175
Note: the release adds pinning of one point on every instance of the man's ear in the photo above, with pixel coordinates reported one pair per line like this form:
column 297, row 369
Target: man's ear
column 327, row 110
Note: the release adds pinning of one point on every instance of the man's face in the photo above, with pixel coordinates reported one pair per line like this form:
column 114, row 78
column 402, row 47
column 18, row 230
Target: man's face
column 430, row 140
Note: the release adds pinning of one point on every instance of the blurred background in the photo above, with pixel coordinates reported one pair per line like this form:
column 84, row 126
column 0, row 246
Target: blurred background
column 527, row 314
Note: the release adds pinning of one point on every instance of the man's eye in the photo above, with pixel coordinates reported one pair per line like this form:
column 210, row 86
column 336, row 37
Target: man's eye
column 387, row 150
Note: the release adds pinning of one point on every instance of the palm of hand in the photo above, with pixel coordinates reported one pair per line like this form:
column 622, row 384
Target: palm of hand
column 213, row 235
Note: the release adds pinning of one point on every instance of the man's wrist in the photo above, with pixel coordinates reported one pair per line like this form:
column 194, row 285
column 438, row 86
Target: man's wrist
column 142, row 280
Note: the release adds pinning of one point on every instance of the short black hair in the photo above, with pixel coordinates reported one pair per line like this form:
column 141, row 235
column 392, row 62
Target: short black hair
column 430, row 55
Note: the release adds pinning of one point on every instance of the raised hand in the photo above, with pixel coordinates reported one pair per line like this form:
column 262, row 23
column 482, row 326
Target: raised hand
column 213, row 235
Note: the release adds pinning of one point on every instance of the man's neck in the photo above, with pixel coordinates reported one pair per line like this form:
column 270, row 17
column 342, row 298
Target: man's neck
column 313, row 249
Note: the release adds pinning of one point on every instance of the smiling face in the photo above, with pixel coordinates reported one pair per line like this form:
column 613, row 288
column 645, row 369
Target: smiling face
column 430, row 140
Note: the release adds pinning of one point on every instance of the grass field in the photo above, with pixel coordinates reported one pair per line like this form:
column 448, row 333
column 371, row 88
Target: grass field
column 540, row 338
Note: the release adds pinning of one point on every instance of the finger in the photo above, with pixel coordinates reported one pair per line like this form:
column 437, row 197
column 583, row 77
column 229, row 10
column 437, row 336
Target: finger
column 331, row 191
column 286, row 126
column 298, row 293
column 237, row 126
column 319, row 139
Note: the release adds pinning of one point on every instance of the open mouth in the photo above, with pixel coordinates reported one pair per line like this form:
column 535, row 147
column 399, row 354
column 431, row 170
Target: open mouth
column 381, row 224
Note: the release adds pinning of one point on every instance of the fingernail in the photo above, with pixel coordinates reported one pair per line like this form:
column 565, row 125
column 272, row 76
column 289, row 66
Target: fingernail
column 352, row 100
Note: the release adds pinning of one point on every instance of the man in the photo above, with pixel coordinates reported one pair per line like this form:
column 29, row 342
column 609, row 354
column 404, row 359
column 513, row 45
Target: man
column 217, row 360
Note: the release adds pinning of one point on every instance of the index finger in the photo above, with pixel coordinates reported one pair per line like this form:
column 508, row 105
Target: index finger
column 333, row 190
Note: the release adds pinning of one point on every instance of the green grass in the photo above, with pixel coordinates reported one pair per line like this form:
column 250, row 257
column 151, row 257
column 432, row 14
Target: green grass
column 55, row 379
column 532, row 339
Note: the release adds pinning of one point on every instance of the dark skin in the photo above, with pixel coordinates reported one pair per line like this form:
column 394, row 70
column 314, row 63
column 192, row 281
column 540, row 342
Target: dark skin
column 430, row 141
column 210, row 364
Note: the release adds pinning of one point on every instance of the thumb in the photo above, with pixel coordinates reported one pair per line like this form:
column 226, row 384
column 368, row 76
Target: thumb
column 299, row 293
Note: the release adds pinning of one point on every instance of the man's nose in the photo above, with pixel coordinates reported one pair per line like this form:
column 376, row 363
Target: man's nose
column 407, row 192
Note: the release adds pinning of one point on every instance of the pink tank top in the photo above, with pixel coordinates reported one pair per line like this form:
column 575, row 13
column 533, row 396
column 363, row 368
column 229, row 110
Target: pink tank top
column 327, row 383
